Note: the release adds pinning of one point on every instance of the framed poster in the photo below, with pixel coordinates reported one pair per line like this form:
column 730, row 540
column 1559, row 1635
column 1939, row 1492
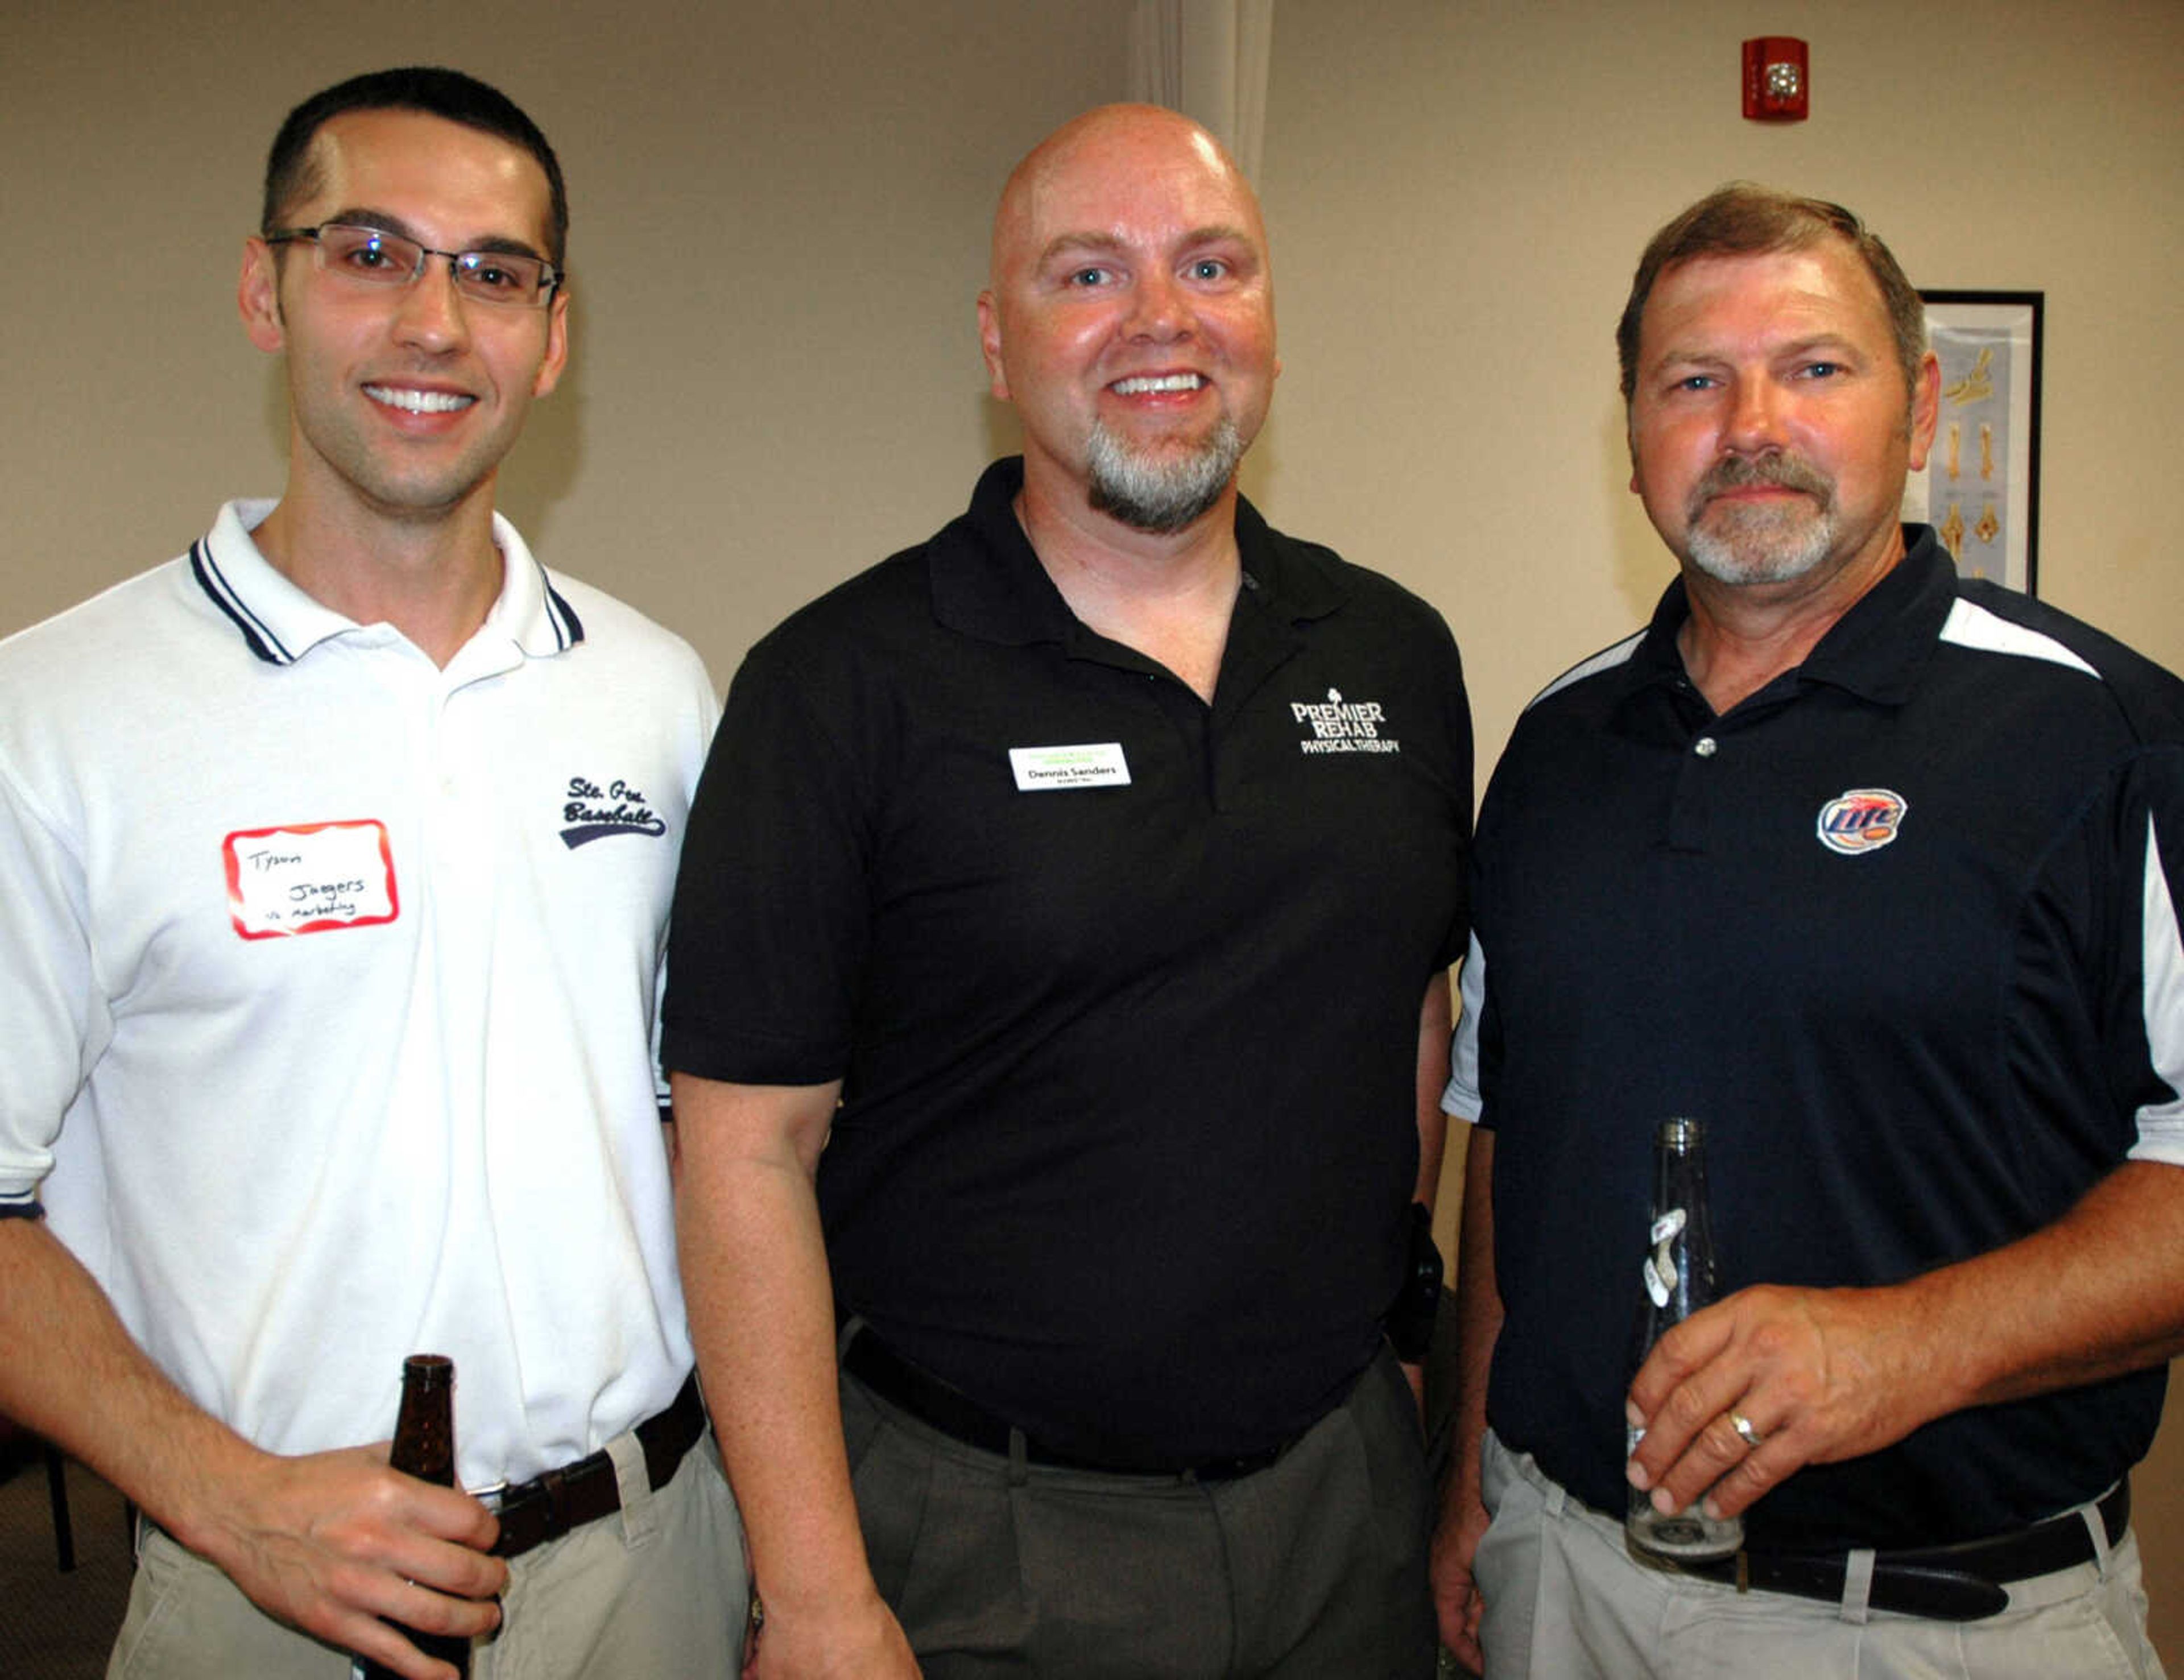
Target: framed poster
column 1981, row 485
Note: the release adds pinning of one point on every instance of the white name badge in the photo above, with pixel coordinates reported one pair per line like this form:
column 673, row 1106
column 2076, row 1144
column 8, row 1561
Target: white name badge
column 315, row 877
column 1097, row 765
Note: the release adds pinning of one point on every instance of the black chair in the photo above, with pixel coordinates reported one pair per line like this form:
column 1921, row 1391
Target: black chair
column 19, row 1448
column 57, row 1491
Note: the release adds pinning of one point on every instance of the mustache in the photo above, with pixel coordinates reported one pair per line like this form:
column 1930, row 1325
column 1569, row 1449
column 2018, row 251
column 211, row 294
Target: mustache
column 1739, row 472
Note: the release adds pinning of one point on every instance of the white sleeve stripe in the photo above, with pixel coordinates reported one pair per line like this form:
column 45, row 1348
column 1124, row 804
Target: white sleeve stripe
column 1606, row 659
column 1460, row 1097
column 2161, row 1125
column 1973, row 626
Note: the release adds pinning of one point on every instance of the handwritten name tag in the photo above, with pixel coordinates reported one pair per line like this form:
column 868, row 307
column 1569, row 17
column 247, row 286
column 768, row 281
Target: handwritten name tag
column 1096, row 765
column 315, row 877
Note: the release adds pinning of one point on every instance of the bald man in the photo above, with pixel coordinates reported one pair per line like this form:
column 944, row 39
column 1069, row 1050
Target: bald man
column 1059, row 1011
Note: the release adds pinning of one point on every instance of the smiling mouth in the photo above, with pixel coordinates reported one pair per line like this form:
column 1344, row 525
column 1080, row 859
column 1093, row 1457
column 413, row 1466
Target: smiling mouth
column 1150, row 384
column 418, row 402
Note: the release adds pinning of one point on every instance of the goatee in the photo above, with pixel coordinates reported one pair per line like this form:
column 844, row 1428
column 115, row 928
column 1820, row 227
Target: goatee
column 1160, row 492
column 1769, row 544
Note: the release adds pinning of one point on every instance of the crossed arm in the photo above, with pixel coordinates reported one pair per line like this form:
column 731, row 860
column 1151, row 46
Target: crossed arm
column 328, row 1542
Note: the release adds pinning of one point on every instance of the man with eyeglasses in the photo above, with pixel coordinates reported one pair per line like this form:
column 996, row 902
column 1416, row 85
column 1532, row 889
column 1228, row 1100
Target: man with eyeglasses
column 335, row 860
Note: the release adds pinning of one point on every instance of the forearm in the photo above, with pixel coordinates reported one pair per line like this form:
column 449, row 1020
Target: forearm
column 1824, row 1375
column 761, row 1313
column 1435, row 1019
column 1478, row 1315
column 330, row 1543
column 1463, row 1520
column 1431, row 1078
column 74, row 1374
column 2097, row 1293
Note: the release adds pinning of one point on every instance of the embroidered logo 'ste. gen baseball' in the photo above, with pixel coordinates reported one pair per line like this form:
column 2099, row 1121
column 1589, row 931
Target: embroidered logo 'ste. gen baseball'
column 592, row 812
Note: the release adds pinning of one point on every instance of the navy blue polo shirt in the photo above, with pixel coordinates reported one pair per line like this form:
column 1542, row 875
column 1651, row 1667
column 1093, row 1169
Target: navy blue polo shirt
column 1124, row 988
column 1883, row 927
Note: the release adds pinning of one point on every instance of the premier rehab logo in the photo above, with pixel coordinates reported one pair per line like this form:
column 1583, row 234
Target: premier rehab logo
column 1340, row 725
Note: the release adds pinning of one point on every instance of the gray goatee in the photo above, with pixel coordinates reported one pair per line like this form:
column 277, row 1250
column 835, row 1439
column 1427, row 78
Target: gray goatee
column 1160, row 492
column 1762, row 545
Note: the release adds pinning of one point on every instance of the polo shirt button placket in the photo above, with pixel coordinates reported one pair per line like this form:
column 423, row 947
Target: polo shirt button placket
column 1691, row 798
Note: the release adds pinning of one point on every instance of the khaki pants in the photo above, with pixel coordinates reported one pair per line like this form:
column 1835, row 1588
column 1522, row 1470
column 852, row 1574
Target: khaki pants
column 1312, row 1569
column 659, row 1590
column 1565, row 1601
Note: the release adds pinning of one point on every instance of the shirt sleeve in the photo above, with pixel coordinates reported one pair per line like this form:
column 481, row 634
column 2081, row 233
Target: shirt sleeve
column 1461, row 1099
column 57, row 1023
column 770, row 920
column 707, row 707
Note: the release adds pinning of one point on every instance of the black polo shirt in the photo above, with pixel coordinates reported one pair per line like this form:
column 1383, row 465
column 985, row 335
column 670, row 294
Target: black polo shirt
column 1124, row 988
column 1883, row 928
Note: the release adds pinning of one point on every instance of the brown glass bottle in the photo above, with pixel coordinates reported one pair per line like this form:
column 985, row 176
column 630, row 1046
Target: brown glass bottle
column 425, row 1448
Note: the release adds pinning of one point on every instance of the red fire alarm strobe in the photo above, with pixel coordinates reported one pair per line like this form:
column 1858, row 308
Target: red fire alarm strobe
column 1776, row 79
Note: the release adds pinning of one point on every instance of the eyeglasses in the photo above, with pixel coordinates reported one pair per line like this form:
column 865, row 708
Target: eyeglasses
column 371, row 256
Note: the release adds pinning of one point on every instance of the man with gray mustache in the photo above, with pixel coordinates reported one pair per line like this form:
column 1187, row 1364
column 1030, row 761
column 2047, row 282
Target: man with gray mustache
column 1090, row 873
column 1868, row 869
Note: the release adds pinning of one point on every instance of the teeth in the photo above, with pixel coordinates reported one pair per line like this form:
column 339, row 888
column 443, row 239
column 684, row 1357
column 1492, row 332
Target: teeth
column 1170, row 381
column 418, row 402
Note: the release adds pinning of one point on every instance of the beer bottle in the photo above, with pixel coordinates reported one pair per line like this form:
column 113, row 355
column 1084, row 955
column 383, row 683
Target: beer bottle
column 425, row 1448
column 1678, row 1277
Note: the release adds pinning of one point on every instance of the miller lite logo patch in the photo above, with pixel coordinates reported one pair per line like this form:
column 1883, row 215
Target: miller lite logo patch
column 1863, row 820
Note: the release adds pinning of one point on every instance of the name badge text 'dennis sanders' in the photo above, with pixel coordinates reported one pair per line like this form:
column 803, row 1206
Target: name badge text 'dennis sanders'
column 1098, row 763
column 316, row 877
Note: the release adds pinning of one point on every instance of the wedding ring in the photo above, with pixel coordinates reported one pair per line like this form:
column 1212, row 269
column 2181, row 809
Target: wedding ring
column 1745, row 1432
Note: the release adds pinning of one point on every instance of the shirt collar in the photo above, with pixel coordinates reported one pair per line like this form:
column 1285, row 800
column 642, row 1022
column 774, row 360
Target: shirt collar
column 988, row 583
column 280, row 623
column 1875, row 650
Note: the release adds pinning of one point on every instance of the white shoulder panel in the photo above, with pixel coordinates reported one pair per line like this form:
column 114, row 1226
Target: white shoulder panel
column 2161, row 1125
column 1968, row 625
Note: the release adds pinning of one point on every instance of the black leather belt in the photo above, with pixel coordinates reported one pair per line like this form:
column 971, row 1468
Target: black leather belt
column 1949, row 1583
column 955, row 1414
column 546, row 1507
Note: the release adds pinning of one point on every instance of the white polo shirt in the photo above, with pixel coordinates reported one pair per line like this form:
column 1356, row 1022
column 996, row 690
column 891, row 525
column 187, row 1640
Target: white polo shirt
column 331, row 980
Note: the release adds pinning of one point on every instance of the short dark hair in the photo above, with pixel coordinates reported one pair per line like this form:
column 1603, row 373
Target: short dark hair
column 1744, row 218
column 436, row 93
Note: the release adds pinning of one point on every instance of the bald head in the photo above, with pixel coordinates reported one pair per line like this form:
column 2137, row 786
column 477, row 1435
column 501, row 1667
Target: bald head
column 1111, row 144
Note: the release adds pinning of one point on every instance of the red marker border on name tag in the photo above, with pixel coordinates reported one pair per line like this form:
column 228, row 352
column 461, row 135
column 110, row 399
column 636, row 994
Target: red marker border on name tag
column 248, row 927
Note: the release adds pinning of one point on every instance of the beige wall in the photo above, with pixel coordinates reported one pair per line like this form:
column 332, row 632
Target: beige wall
column 779, row 218
column 779, row 226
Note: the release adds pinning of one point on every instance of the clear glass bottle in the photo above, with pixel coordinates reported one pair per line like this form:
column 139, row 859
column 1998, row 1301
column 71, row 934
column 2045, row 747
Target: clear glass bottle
column 425, row 1448
column 1679, row 1277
